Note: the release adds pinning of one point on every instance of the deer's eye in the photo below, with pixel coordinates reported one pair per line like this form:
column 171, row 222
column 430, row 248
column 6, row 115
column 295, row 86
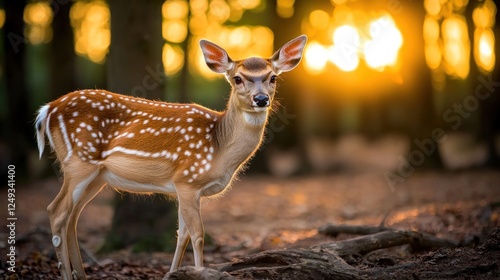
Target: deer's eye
column 273, row 79
column 237, row 80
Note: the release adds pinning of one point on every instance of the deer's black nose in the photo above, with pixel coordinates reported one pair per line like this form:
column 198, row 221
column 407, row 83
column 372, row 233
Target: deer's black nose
column 261, row 100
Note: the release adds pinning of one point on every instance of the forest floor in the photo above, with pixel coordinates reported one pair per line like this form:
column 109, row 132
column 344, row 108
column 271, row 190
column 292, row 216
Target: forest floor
column 263, row 212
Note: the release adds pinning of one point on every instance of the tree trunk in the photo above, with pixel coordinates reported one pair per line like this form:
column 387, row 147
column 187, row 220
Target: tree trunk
column 62, row 52
column 285, row 130
column 489, row 113
column 135, row 67
column 422, row 106
column 18, row 132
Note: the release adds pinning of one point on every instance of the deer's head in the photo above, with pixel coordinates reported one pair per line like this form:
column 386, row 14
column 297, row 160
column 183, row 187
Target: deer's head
column 253, row 80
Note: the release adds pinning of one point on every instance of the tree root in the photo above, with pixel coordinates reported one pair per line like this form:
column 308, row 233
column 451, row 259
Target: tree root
column 324, row 261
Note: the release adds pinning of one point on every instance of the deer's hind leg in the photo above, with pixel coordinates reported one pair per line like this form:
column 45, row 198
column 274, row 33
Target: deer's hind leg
column 59, row 210
column 76, row 180
column 73, row 247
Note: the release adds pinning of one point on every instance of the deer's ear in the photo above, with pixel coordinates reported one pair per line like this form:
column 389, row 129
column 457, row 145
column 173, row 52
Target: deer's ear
column 216, row 57
column 289, row 56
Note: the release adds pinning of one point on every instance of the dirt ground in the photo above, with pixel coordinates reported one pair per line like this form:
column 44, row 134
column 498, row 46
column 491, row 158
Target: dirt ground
column 262, row 213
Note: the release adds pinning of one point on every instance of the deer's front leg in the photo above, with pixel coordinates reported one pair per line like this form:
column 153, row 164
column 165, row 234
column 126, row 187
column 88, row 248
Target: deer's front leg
column 189, row 207
column 182, row 242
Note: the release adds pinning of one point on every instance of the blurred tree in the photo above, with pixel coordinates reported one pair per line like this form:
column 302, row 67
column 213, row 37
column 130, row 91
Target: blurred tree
column 489, row 121
column 285, row 127
column 424, row 117
column 62, row 52
column 18, row 132
column 184, row 74
column 135, row 53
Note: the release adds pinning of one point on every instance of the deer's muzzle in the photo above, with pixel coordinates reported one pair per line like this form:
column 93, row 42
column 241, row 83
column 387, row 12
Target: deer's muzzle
column 261, row 100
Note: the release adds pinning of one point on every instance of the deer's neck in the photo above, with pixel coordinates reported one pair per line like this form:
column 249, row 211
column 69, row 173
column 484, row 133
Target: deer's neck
column 239, row 134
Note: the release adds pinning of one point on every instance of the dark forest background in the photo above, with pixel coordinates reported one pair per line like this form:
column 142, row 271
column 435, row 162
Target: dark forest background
column 442, row 110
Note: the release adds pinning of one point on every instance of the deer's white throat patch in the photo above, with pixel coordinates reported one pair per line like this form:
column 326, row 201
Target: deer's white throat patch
column 255, row 119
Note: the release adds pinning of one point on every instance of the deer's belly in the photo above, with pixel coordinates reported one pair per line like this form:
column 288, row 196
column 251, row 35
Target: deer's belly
column 122, row 183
